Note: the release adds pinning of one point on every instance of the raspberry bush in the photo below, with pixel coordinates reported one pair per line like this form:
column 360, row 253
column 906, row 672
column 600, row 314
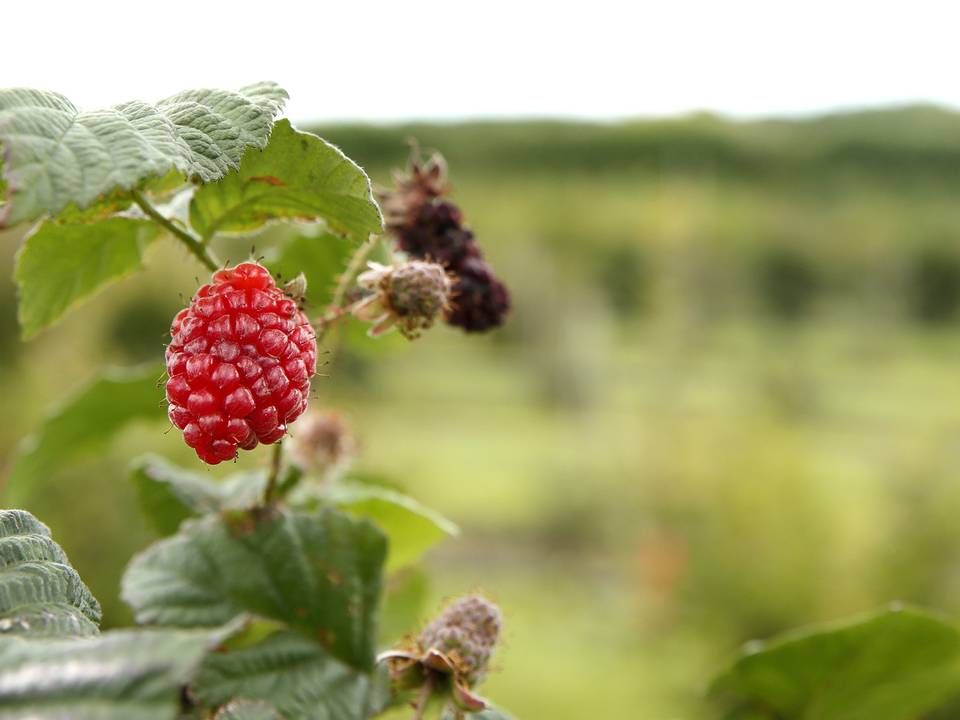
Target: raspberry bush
column 262, row 597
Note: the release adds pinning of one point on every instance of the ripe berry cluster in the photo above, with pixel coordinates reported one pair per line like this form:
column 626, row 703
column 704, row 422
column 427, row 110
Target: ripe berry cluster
column 239, row 364
column 426, row 226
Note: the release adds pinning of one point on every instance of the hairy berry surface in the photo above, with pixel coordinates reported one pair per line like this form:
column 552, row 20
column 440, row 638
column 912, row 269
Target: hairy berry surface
column 467, row 631
column 239, row 364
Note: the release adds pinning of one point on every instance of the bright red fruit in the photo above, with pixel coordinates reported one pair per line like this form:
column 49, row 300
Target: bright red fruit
column 240, row 362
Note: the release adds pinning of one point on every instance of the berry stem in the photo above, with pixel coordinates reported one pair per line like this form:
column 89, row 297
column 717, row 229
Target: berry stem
column 201, row 251
column 336, row 310
column 275, row 458
column 423, row 698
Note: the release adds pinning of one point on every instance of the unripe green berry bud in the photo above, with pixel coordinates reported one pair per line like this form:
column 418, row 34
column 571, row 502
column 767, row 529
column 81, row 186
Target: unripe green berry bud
column 322, row 443
column 410, row 296
column 467, row 632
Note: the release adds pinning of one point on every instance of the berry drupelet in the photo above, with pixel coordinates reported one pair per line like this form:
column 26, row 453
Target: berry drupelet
column 239, row 364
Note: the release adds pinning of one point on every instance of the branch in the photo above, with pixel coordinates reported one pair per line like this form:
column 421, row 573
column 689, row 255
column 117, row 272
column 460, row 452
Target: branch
column 423, row 698
column 201, row 251
column 336, row 309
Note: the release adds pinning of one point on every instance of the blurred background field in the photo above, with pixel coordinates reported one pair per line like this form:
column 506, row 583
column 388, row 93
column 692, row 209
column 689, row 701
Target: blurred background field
column 727, row 402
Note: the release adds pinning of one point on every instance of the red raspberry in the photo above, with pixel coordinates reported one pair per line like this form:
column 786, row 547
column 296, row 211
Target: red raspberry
column 240, row 362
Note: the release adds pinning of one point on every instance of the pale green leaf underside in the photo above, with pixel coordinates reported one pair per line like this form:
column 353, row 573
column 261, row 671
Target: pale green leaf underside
column 894, row 665
column 168, row 494
column 318, row 572
column 60, row 265
column 120, row 675
column 115, row 399
column 41, row 595
column 247, row 710
column 54, row 155
column 298, row 175
column 412, row 527
column 292, row 674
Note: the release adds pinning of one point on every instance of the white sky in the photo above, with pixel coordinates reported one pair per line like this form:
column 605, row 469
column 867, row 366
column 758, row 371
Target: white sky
column 380, row 61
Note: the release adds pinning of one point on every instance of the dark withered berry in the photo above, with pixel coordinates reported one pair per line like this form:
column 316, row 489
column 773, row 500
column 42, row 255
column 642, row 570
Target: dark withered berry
column 437, row 234
column 479, row 300
column 426, row 226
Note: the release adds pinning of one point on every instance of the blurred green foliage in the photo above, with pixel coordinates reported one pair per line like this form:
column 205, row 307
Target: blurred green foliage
column 726, row 403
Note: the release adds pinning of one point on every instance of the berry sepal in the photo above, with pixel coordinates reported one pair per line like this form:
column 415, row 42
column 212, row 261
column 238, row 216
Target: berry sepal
column 412, row 669
column 450, row 656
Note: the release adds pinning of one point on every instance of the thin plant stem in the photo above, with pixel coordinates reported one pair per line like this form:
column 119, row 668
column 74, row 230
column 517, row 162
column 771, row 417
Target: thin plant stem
column 336, row 309
column 275, row 460
column 423, row 698
column 201, row 251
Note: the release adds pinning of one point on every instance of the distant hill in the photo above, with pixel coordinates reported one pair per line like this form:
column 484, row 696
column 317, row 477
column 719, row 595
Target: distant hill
column 896, row 145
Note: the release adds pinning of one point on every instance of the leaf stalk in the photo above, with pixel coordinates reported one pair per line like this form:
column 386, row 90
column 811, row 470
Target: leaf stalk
column 201, row 251
column 336, row 310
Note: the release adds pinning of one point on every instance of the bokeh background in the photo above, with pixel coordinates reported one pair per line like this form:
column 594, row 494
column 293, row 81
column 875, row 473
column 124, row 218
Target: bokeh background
column 727, row 401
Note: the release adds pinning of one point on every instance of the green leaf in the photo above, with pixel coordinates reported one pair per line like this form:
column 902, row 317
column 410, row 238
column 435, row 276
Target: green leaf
column 84, row 423
column 404, row 602
column 412, row 527
column 318, row 572
column 247, row 710
column 168, row 494
column 298, row 175
column 60, row 265
column 41, row 595
column 893, row 665
column 55, row 156
column 321, row 259
column 291, row 673
column 120, row 675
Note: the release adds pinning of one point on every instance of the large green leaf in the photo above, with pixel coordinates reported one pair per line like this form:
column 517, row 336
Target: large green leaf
column 41, row 595
column 120, row 675
column 55, row 156
column 290, row 672
column 412, row 527
column 321, row 259
column 86, row 422
column 169, row 494
column 318, row 572
column 894, row 665
column 404, row 605
column 297, row 175
column 247, row 710
column 61, row 264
